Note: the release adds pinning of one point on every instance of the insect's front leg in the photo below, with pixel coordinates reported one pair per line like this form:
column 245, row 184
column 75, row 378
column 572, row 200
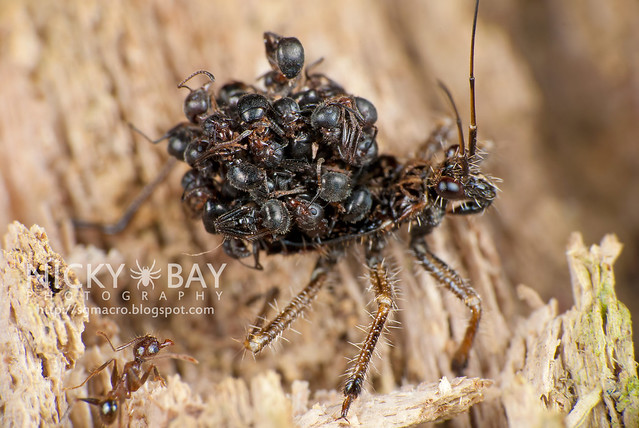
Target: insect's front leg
column 464, row 292
column 382, row 287
column 260, row 337
column 156, row 377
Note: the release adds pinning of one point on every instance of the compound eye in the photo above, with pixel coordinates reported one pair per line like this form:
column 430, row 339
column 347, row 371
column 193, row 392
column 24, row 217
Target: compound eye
column 290, row 56
column 153, row 349
column 450, row 188
column 252, row 107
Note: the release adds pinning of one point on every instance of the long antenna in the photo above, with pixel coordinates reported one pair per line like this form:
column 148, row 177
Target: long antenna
column 472, row 129
column 460, row 131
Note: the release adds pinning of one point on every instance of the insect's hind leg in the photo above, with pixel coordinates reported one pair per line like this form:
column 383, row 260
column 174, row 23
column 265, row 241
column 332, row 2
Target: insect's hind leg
column 259, row 336
column 464, row 292
column 382, row 287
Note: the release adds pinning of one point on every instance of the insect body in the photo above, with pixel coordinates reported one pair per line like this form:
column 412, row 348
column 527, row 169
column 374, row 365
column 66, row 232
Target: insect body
column 295, row 168
column 134, row 374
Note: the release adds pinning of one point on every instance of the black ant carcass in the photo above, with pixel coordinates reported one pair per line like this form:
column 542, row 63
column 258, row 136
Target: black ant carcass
column 135, row 373
column 294, row 167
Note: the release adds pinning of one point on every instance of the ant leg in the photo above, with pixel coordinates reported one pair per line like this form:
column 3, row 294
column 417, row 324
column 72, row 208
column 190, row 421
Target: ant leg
column 115, row 378
column 95, row 372
column 384, row 298
column 136, row 383
column 464, row 292
column 123, row 222
column 259, row 337
column 157, row 377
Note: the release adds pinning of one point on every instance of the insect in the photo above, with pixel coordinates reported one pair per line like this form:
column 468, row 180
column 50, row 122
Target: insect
column 295, row 168
column 145, row 275
column 134, row 374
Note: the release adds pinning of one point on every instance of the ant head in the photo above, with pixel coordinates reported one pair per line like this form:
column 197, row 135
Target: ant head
column 198, row 102
column 149, row 346
column 108, row 408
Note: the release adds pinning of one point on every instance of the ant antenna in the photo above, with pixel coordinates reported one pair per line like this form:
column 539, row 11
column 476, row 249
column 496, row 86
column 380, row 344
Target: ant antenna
column 472, row 129
column 146, row 137
column 195, row 73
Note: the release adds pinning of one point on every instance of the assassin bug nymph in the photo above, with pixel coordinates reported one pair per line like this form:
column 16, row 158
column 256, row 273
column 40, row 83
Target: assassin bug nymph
column 295, row 168
column 420, row 192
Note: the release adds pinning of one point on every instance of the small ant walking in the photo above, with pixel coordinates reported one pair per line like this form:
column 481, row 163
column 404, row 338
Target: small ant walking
column 133, row 376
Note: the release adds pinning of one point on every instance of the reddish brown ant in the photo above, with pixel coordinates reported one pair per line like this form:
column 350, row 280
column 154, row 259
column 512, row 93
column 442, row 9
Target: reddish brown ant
column 133, row 376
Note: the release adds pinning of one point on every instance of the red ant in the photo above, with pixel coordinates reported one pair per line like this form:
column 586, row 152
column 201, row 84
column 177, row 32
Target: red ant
column 145, row 349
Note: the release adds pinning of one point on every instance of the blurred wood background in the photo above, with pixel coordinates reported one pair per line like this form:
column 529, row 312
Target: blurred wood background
column 558, row 102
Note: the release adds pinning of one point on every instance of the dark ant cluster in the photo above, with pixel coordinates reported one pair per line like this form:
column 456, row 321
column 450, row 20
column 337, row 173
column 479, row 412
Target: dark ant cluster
column 283, row 169
column 294, row 167
column 135, row 373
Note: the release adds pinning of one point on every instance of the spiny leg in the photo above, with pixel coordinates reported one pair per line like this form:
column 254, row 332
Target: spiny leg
column 384, row 298
column 464, row 292
column 259, row 337
column 269, row 299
